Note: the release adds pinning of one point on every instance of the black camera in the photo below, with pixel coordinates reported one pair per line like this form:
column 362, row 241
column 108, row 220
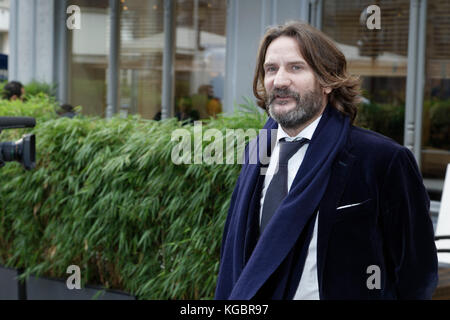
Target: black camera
column 23, row 150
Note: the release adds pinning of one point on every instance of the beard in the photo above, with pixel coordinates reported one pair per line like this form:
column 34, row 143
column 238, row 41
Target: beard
column 308, row 106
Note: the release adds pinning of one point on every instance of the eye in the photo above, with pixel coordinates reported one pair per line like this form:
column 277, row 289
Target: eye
column 296, row 67
column 270, row 69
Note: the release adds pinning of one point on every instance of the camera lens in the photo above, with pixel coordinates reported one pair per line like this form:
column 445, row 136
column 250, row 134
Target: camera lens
column 10, row 151
column 22, row 151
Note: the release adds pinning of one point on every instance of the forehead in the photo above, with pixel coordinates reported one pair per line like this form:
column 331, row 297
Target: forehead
column 283, row 48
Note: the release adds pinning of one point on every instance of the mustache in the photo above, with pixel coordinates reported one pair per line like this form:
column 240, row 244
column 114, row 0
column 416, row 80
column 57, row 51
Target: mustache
column 282, row 93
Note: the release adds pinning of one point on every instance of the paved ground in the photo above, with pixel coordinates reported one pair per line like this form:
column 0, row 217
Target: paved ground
column 443, row 290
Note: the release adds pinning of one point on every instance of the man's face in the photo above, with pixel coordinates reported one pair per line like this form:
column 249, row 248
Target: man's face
column 294, row 97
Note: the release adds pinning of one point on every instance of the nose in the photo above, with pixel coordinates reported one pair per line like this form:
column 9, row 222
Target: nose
column 282, row 79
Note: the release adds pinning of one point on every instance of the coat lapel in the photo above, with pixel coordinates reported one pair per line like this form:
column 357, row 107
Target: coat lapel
column 327, row 210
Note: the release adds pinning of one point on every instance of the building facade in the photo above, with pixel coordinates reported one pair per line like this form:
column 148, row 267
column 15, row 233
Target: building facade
column 166, row 57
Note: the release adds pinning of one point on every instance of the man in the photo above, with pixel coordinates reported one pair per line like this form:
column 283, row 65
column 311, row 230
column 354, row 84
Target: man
column 13, row 90
column 342, row 212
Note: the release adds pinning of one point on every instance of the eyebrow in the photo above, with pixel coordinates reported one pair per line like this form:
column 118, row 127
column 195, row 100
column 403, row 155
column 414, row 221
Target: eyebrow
column 289, row 63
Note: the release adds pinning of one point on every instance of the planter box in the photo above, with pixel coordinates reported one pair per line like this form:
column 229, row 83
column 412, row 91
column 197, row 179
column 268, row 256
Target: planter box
column 9, row 285
column 54, row 289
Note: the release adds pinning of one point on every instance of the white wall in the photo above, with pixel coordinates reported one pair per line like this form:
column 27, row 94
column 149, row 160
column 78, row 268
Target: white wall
column 91, row 39
column 4, row 3
column 4, row 19
column 4, row 26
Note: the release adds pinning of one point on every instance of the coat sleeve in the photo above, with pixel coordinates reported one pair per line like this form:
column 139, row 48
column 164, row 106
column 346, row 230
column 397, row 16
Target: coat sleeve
column 408, row 230
column 224, row 283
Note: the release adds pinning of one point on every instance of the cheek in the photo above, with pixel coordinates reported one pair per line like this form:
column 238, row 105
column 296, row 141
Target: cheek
column 305, row 83
column 268, row 83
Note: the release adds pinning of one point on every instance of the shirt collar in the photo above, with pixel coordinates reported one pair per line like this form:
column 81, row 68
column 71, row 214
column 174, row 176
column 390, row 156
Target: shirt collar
column 305, row 133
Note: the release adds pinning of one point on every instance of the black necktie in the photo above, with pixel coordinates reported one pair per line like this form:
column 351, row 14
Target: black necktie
column 278, row 188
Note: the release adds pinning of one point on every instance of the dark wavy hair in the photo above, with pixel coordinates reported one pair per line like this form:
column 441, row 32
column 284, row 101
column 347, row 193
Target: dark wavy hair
column 324, row 58
column 13, row 88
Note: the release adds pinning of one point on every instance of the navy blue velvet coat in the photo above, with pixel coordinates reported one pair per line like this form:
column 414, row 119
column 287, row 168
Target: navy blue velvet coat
column 390, row 228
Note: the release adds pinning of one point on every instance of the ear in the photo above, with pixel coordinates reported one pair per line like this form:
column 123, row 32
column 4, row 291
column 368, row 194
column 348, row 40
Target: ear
column 326, row 90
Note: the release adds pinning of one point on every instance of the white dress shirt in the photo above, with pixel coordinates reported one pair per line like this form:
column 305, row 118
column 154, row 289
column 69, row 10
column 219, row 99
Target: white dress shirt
column 308, row 288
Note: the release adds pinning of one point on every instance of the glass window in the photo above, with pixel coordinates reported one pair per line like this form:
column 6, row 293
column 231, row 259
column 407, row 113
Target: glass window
column 436, row 107
column 200, row 58
column 141, row 52
column 378, row 56
column 89, row 57
column 1, row 42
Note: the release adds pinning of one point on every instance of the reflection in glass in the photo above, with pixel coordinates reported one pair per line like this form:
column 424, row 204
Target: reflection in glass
column 142, row 45
column 89, row 57
column 200, row 58
column 379, row 57
column 436, row 108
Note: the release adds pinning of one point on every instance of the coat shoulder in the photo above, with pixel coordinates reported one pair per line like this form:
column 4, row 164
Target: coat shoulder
column 375, row 150
column 371, row 142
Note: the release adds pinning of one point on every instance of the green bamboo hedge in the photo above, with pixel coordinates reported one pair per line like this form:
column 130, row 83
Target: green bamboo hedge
column 106, row 196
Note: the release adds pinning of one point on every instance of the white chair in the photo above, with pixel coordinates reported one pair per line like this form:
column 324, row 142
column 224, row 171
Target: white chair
column 442, row 234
